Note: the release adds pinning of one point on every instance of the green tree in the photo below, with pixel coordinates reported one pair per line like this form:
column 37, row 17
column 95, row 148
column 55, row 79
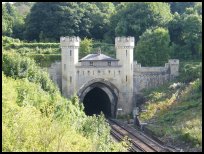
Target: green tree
column 62, row 124
column 86, row 46
column 198, row 8
column 12, row 22
column 19, row 27
column 53, row 19
column 180, row 7
column 153, row 47
column 101, row 19
column 23, row 8
column 114, row 19
column 8, row 13
column 192, row 33
column 134, row 18
column 175, row 29
column 186, row 34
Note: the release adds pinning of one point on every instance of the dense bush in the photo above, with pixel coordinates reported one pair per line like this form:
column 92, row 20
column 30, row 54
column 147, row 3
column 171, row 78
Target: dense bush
column 30, row 48
column 153, row 47
column 28, row 123
column 45, row 60
column 31, row 99
column 106, row 48
column 18, row 67
column 190, row 71
column 85, row 47
column 174, row 110
column 35, row 45
column 186, row 34
column 34, row 120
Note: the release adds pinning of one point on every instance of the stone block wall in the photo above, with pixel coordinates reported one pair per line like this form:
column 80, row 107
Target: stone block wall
column 55, row 73
column 148, row 77
column 143, row 77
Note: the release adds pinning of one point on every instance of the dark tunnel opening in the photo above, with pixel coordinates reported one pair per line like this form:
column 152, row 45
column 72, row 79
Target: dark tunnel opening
column 97, row 101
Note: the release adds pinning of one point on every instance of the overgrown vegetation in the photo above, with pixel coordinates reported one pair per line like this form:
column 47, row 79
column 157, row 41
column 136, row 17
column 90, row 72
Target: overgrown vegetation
column 154, row 46
column 30, row 98
column 37, row 118
column 174, row 110
column 46, row 53
column 22, row 47
column 103, row 21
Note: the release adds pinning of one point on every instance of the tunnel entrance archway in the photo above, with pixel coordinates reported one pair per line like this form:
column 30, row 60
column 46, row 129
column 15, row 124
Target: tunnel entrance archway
column 97, row 101
column 105, row 91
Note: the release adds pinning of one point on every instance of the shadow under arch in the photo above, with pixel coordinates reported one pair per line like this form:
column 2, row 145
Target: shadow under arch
column 110, row 89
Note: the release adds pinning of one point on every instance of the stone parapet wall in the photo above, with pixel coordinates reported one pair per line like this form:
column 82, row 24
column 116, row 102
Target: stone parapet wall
column 149, row 77
column 55, row 73
column 149, row 80
column 125, row 76
column 143, row 77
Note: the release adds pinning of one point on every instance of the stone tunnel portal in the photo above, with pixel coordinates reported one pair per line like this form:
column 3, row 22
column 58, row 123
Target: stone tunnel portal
column 97, row 101
column 99, row 97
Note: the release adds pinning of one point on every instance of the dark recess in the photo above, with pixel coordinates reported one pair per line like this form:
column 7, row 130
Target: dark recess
column 97, row 101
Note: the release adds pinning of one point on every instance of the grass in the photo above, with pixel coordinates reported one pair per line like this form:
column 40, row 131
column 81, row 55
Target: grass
column 175, row 113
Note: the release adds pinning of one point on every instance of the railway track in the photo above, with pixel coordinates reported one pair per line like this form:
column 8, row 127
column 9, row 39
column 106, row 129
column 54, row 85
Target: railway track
column 139, row 141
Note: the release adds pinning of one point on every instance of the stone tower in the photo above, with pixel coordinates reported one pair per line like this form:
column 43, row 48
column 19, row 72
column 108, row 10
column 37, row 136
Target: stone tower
column 174, row 67
column 70, row 49
column 124, row 52
column 114, row 77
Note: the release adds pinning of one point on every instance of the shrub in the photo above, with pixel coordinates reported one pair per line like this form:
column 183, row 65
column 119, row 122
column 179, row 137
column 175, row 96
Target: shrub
column 23, row 67
column 45, row 60
column 34, row 120
column 153, row 47
column 190, row 72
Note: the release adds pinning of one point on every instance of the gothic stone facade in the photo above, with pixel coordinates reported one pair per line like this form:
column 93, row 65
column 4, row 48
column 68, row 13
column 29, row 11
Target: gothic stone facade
column 120, row 78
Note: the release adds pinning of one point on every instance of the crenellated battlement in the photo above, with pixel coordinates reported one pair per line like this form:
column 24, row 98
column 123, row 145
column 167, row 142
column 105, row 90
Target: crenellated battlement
column 174, row 61
column 124, row 41
column 173, row 65
column 121, row 80
column 70, row 41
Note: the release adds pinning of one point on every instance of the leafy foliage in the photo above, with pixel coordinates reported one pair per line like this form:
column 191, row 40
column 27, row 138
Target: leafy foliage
column 47, row 22
column 180, row 7
column 190, row 71
column 20, row 131
column 175, row 114
column 153, row 47
column 85, row 47
column 17, row 67
column 45, row 60
column 7, row 19
column 106, row 48
column 61, row 123
column 69, row 18
column 186, row 35
column 23, row 8
column 132, row 19
column 12, row 22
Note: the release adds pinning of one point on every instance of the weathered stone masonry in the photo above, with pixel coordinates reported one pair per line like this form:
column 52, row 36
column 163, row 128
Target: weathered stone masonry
column 120, row 78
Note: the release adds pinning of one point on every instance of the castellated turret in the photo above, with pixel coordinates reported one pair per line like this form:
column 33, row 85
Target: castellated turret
column 116, row 82
column 124, row 52
column 70, row 54
column 124, row 42
column 69, row 41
